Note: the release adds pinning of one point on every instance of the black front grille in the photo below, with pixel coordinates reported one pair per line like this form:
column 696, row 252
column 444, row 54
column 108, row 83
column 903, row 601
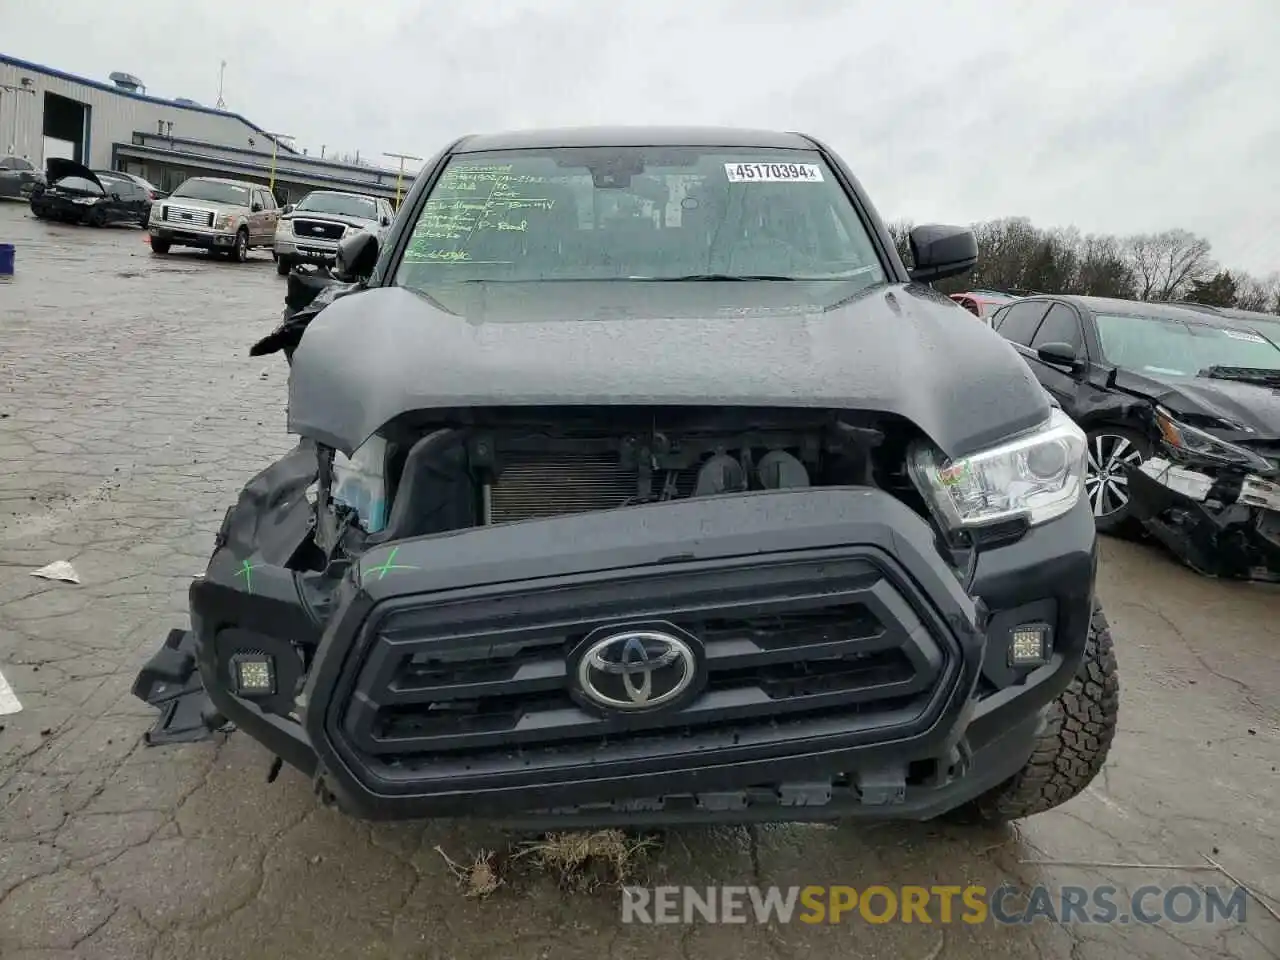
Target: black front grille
column 318, row 229
column 790, row 650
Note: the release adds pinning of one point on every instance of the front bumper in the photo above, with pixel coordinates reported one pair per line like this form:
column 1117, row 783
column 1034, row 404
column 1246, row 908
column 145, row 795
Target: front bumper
column 1223, row 524
column 921, row 713
column 306, row 251
column 60, row 208
column 194, row 237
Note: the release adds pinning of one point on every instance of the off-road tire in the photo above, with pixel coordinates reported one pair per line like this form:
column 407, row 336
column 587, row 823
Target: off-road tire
column 1072, row 744
column 240, row 252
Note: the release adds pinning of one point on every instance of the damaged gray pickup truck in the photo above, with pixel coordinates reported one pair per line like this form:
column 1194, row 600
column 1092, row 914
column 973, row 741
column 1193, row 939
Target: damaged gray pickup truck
column 640, row 482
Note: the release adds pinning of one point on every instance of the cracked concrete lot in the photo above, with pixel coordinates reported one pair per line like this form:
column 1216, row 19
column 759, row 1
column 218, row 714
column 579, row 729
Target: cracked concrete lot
column 130, row 416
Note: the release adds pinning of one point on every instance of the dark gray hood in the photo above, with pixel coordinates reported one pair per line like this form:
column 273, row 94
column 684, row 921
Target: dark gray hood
column 1252, row 406
column 376, row 354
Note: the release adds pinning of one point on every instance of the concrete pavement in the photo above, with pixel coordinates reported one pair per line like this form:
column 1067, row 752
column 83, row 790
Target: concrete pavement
column 131, row 415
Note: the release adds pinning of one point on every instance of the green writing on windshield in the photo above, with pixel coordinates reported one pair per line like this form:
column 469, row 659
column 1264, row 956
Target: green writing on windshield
column 469, row 206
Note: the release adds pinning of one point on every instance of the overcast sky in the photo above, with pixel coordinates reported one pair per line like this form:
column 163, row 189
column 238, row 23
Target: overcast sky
column 1115, row 115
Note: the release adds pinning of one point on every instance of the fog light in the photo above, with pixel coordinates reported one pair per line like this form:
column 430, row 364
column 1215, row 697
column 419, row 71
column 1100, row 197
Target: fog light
column 254, row 674
column 1029, row 645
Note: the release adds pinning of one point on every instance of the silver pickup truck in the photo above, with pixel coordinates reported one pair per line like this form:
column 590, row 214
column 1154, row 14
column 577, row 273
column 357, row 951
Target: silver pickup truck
column 210, row 213
column 309, row 232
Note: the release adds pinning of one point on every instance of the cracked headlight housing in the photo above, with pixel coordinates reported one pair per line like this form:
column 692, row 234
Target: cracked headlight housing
column 1037, row 476
column 1195, row 443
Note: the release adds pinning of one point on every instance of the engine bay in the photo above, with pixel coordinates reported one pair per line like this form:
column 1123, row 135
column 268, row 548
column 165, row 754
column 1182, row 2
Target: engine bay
column 490, row 467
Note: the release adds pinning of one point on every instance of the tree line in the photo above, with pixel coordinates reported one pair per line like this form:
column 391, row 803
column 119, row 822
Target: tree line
column 1016, row 256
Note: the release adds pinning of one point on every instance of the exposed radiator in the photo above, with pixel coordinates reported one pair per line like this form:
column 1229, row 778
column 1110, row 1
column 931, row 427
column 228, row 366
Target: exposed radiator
column 551, row 485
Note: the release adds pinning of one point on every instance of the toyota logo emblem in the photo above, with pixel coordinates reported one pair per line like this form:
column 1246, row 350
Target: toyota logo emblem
column 636, row 669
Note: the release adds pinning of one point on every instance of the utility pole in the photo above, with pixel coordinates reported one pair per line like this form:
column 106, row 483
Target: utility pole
column 275, row 143
column 402, row 157
column 222, row 72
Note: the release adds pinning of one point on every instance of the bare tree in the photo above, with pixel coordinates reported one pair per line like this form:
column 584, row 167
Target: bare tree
column 1259, row 294
column 1166, row 264
column 1104, row 270
column 900, row 230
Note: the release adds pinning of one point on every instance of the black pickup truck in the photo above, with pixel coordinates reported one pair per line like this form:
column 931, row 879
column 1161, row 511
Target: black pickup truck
column 639, row 481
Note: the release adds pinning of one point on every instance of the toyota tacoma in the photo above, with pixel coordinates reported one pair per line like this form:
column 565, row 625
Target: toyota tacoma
column 639, row 481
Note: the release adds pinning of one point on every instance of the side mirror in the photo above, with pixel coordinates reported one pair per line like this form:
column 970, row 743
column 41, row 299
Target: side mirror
column 115, row 196
column 1061, row 355
column 386, row 221
column 288, row 208
column 940, row 251
column 356, row 257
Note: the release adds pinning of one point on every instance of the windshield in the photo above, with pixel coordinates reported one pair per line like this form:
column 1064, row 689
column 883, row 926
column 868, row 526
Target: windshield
column 1175, row 348
column 78, row 183
column 343, row 204
column 213, row 191
column 653, row 213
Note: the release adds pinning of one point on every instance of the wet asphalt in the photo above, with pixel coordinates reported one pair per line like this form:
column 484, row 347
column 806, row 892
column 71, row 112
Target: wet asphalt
column 131, row 415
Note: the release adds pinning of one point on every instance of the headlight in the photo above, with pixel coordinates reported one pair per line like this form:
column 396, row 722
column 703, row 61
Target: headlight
column 351, row 231
column 1039, row 476
column 1197, row 443
column 284, row 226
column 225, row 222
column 85, row 201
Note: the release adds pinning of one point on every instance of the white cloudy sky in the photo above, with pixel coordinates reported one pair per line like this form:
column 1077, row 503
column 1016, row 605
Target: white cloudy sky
column 1114, row 115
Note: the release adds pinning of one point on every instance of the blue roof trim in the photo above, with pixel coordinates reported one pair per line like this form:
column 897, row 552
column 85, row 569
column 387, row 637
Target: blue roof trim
column 146, row 98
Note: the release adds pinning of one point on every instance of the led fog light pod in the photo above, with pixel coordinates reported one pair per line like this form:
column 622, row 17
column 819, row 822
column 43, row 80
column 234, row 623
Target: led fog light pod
column 254, row 674
column 1029, row 645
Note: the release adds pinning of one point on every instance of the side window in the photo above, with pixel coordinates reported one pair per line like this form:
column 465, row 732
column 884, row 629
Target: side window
column 258, row 197
column 1061, row 325
column 1019, row 321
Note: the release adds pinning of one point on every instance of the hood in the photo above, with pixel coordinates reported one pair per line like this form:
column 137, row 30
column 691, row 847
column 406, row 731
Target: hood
column 375, row 354
column 1253, row 406
column 330, row 218
column 56, row 168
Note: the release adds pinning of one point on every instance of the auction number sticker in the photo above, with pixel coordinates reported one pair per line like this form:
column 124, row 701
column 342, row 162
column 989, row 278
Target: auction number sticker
column 773, row 172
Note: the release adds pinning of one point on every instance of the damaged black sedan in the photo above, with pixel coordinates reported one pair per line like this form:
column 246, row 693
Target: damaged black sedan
column 640, row 482
column 1182, row 409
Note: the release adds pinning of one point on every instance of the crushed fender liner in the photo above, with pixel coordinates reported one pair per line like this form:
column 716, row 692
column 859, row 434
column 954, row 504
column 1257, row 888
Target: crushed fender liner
column 1220, row 522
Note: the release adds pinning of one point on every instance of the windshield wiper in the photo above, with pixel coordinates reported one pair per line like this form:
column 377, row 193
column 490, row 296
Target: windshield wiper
column 716, row 277
column 1263, row 376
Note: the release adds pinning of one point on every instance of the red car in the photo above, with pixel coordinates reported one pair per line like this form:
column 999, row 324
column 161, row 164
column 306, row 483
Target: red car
column 982, row 303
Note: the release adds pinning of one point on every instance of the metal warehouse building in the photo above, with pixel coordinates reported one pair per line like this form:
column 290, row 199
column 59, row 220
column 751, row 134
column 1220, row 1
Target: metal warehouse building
column 46, row 113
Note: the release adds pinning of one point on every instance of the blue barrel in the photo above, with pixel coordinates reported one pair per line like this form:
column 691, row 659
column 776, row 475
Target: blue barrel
column 7, row 255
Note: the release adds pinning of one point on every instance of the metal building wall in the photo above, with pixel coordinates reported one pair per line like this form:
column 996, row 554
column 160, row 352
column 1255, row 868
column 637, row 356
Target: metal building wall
column 114, row 116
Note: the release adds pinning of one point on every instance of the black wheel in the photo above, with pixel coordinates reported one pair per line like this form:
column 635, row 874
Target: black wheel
column 240, row 252
column 1073, row 742
column 96, row 217
column 159, row 246
column 283, row 266
column 1111, row 450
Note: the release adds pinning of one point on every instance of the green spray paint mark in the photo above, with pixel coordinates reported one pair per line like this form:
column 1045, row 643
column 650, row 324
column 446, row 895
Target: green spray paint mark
column 246, row 571
column 390, row 564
